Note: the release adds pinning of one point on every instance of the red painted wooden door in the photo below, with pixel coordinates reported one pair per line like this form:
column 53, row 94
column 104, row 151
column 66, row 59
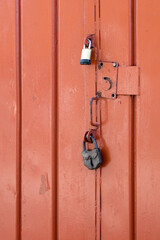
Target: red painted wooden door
column 45, row 191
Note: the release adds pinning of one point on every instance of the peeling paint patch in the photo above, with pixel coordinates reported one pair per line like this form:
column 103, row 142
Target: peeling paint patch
column 44, row 186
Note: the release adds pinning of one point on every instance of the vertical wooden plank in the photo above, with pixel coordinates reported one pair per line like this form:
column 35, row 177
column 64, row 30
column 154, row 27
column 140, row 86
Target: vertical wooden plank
column 76, row 184
column 115, row 184
column 147, row 120
column 54, row 116
column 36, row 17
column 116, row 197
column 115, row 31
column 8, row 120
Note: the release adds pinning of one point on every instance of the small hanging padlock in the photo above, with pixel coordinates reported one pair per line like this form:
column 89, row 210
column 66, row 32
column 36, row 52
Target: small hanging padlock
column 91, row 158
column 86, row 54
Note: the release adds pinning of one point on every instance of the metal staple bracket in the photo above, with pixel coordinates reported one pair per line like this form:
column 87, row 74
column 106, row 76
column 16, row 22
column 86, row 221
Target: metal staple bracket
column 116, row 80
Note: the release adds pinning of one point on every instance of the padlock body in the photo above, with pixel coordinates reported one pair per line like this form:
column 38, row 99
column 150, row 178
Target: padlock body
column 92, row 159
column 86, row 56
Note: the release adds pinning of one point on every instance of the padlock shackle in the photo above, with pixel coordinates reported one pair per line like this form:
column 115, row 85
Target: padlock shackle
column 90, row 37
column 93, row 141
column 89, row 43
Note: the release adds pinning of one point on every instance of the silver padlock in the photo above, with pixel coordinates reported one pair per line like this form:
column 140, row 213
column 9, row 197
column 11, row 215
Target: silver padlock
column 86, row 54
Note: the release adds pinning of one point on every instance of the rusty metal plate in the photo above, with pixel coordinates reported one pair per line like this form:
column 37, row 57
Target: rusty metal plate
column 116, row 80
column 107, row 79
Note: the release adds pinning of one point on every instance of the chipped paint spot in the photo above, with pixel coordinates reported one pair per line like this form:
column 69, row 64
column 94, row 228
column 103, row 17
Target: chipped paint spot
column 44, row 186
column 73, row 90
column 119, row 100
column 12, row 190
column 15, row 108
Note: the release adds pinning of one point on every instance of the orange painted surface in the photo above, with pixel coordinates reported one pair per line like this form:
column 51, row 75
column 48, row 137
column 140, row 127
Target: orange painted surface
column 128, row 80
column 37, row 110
column 147, row 121
column 76, row 185
column 8, row 120
column 46, row 192
column 116, row 212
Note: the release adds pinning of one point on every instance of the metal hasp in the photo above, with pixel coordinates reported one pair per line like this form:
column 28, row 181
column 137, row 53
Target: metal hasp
column 92, row 132
column 116, row 80
column 107, row 79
